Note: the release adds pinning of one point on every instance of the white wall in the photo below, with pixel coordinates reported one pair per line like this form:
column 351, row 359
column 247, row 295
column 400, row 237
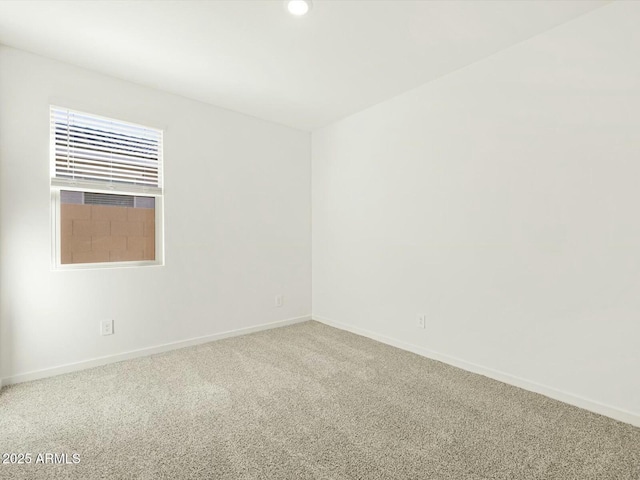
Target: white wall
column 249, row 208
column 502, row 201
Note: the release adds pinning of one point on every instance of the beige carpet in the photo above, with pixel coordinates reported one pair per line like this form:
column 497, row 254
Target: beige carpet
column 301, row 402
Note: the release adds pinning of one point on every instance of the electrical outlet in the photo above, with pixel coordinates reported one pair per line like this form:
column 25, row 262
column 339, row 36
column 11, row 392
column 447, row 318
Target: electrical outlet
column 422, row 321
column 279, row 300
column 106, row 327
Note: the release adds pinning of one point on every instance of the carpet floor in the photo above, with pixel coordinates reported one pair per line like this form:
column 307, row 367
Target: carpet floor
column 303, row 402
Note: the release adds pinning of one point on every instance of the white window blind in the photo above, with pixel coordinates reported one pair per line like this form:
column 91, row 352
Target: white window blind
column 96, row 152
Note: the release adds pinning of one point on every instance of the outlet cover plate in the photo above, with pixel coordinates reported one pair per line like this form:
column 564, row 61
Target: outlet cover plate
column 106, row 327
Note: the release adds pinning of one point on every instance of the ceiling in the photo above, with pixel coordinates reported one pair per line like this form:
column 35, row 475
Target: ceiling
column 253, row 57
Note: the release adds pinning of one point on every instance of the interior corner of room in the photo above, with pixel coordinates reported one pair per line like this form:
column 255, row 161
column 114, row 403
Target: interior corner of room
column 479, row 210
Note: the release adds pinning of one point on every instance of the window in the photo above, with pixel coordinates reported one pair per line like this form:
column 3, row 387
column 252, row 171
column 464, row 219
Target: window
column 106, row 190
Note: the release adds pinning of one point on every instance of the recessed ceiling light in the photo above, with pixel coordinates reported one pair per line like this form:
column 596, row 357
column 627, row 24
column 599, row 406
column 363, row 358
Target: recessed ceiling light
column 298, row 7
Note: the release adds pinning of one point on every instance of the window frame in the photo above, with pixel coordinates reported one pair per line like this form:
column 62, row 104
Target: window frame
column 88, row 186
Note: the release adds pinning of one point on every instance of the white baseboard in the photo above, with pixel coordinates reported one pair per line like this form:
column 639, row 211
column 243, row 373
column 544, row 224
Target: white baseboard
column 143, row 352
column 575, row 400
